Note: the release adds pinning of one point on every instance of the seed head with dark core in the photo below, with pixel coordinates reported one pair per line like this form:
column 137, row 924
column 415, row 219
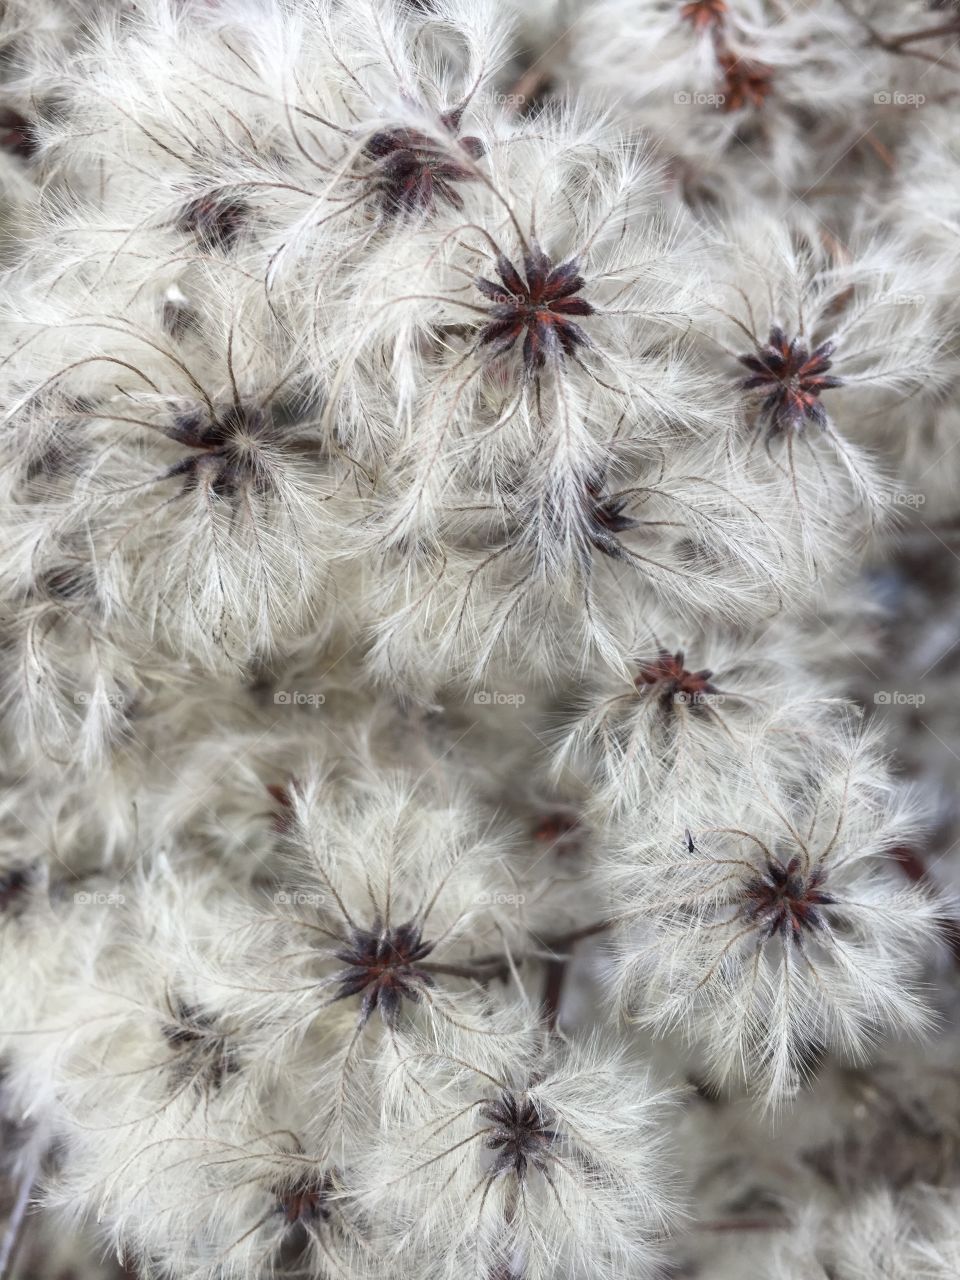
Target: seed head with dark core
column 540, row 306
column 14, row 883
column 66, row 583
column 414, row 172
column 744, row 83
column 670, row 677
column 281, row 793
column 382, row 963
column 214, row 220
column 602, row 519
column 227, row 451
column 207, row 1056
column 791, row 377
column 702, row 14
column 17, row 134
column 306, row 1199
column 556, row 829
column 607, row 520
column 783, row 900
column 522, row 1134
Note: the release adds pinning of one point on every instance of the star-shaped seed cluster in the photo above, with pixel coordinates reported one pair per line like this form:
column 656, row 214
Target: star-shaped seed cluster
column 668, row 675
column 784, row 900
column 522, row 1135
column 382, row 964
column 791, row 377
column 539, row 307
column 414, row 173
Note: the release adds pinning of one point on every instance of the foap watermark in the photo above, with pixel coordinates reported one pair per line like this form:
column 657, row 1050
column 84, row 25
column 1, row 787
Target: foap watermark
column 497, row 899
column 98, row 898
column 298, row 898
column 84, row 698
column 298, row 698
column 903, row 499
column 684, row 99
column 700, row 699
column 494, row 698
column 902, row 299
column 503, row 299
column 897, row 698
column 499, row 98
column 896, row 98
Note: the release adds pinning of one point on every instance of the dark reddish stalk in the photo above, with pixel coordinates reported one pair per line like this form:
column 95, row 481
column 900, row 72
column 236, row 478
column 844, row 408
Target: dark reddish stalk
column 488, row 968
column 553, row 980
column 950, row 28
column 13, row 1235
column 480, row 971
column 588, row 931
column 915, row 869
column 555, row 973
column 744, row 1224
column 897, row 44
column 556, row 942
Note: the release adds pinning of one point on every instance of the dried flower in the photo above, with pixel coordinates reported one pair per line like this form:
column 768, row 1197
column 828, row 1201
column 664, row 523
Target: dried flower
column 13, row 884
column 519, row 1167
column 382, row 964
column 16, row 134
column 668, row 676
column 791, row 378
column 413, row 172
column 539, row 306
column 744, row 83
column 704, row 14
column 779, row 930
column 204, row 1055
column 429, row 603
column 215, row 220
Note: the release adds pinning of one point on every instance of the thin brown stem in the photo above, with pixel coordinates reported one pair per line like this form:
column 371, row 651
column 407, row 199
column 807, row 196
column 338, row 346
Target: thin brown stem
column 744, row 1224
column 12, row 1237
column 915, row 869
column 558, row 941
column 495, row 966
column 482, row 971
column 554, row 978
column 950, row 28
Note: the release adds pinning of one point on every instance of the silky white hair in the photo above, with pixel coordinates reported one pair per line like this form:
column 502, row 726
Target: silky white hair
column 452, row 454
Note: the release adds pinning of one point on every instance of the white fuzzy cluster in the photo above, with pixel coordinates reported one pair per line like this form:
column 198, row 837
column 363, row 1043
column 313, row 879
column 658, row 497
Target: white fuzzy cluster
column 440, row 443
